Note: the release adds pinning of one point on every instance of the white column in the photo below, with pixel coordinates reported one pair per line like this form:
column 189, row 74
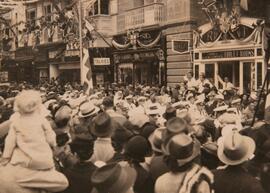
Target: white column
column 241, row 77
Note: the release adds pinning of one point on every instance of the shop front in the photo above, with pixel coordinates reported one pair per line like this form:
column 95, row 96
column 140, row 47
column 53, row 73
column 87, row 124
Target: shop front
column 101, row 65
column 139, row 58
column 235, row 52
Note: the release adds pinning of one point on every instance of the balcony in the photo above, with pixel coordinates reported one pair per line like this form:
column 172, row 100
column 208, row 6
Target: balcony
column 148, row 15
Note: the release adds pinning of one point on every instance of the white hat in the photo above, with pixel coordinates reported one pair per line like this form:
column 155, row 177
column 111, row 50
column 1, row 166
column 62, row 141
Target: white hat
column 219, row 97
column 235, row 149
column 88, row 109
column 138, row 119
column 221, row 108
column 236, row 101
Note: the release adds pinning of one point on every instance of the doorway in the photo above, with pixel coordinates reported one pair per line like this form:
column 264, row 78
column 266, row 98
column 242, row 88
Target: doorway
column 229, row 70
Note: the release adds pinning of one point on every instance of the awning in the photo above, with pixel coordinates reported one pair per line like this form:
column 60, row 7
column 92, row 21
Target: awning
column 69, row 66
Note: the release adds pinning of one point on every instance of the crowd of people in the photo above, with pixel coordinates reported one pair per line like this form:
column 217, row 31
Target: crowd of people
column 192, row 138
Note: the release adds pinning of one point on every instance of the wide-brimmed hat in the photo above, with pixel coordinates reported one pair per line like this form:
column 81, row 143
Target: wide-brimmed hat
column 183, row 148
column 88, row 109
column 156, row 139
column 102, row 125
column 176, row 125
column 115, row 177
column 234, row 149
column 170, row 112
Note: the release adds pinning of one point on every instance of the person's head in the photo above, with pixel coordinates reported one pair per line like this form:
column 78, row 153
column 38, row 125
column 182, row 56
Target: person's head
column 226, row 79
column 202, row 76
column 115, row 177
column 102, row 127
column 82, row 148
column 28, row 102
column 107, row 103
column 180, row 152
column 235, row 149
column 137, row 149
column 141, row 101
column 189, row 75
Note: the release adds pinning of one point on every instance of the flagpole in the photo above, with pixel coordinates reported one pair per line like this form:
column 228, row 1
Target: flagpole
column 81, row 43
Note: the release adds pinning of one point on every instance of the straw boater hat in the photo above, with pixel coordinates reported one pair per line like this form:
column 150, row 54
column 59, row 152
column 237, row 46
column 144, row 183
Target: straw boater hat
column 183, row 148
column 116, row 178
column 88, row 109
column 235, row 149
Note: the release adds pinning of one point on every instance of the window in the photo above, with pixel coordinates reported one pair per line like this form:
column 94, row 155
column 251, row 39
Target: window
column 101, row 7
column 31, row 16
column 48, row 11
column 259, row 74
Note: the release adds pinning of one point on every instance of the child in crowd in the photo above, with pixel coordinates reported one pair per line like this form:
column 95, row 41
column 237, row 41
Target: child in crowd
column 30, row 139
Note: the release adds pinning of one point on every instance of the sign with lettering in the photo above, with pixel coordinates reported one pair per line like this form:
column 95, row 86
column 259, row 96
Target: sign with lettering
column 229, row 54
column 180, row 46
column 102, row 61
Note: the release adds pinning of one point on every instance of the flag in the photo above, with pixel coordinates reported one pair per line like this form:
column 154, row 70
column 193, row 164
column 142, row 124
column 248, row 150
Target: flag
column 86, row 71
column 267, row 110
column 244, row 4
column 89, row 26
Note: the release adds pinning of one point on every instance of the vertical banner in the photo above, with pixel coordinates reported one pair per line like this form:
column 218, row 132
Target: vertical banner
column 267, row 109
column 86, row 71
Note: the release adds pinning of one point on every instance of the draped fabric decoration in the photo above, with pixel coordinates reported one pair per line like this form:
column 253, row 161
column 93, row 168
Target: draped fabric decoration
column 120, row 46
column 150, row 45
column 142, row 45
column 254, row 25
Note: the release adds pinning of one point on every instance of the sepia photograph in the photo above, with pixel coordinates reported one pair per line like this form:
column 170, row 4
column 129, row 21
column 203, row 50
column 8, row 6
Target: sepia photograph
column 134, row 96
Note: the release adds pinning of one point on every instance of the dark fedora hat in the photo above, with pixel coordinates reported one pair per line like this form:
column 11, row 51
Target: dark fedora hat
column 183, row 148
column 137, row 148
column 170, row 112
column 102, row 125
column 115, row 177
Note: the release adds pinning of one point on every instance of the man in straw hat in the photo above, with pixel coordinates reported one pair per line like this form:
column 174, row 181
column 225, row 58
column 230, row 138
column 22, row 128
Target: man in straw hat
column 234, row 150
column 83, row 122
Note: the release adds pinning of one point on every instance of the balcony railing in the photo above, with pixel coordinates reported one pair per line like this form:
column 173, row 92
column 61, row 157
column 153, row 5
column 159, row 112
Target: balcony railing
column 148, row 15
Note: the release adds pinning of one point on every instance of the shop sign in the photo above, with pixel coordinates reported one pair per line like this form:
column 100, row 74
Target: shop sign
column 229, row 54
column 102, row 61
column 180, row 46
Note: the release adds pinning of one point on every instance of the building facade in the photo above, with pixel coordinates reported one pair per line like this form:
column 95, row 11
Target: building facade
column 136, row 41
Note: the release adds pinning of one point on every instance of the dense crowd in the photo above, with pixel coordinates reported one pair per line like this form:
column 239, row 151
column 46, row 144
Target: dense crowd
column 189, row 138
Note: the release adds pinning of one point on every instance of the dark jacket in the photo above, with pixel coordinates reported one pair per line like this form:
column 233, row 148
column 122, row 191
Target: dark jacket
column 144, row 182
column 79, row 177
column 234, row 179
